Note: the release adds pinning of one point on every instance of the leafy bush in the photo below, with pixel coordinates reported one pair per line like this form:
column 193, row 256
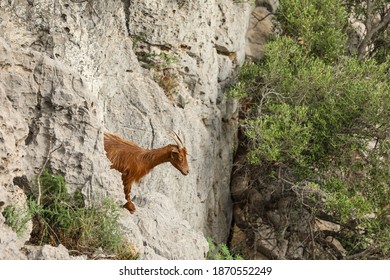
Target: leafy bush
column 323, row 115
column 280, row 135
column 318, row 25
column 313, row 109
column 61, row 218
column 66, row 220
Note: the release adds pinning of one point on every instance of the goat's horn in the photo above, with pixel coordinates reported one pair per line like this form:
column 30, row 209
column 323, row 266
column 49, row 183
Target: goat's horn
column 177, row 140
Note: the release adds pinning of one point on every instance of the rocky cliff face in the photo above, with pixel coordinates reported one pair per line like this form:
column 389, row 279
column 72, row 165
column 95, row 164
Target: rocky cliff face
column 70, row 70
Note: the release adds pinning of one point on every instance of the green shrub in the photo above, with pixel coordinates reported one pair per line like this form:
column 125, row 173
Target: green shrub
column 318, row 25
column 220, row 252
column 63, row 218
column 324, row 116
column 314, row 110
column 16, row 218
column 280, row 135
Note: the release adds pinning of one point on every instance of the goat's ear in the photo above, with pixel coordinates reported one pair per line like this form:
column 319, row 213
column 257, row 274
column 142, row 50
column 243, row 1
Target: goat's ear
column 174, row 151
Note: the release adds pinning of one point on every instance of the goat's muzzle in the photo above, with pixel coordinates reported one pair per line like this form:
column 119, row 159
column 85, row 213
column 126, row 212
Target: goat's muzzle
column 185, row 172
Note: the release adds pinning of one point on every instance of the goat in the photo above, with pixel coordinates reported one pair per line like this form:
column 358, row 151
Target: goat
column 135, row 162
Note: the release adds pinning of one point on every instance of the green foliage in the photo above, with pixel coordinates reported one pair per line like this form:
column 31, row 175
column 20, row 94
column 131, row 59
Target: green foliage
column 63, row 218
column 317, row 24
column 16, row 218
column 250, row 2
column 324, row 116
column 249, row 82
column 167, row 60
column 280, row 135
column 141, row 37
column 314, row 110
column 156, row 61
column 220, row 252
column 161, row 65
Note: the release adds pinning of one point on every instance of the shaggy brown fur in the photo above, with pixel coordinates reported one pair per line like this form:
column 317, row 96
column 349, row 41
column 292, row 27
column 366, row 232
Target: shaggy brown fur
column 135, row 162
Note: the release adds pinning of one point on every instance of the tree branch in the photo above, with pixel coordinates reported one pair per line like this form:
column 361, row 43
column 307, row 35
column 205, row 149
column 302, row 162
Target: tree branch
column 370, row 29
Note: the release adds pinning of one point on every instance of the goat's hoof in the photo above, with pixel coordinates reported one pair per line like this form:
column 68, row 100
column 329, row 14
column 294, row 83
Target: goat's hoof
column 130, row 206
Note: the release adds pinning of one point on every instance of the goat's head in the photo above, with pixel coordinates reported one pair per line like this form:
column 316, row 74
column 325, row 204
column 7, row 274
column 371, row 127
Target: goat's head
column 179, row 155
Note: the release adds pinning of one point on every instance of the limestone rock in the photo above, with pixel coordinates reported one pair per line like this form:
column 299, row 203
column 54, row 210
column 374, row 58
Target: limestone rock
column 64, row 129
column 10, row 241
column 69, row 71
column 13, row 131
column 322, row 225
column 260, row 28
column 47, row 252
column 336, row 246
column 161, row 232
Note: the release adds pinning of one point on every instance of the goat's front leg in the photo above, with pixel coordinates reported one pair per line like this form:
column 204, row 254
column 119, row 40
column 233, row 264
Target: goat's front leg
column 127, row 182
column 129, row 205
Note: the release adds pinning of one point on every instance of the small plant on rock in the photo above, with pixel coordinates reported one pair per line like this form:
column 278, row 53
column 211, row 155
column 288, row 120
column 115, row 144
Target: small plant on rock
column 220, row 252
column 62, row 218
column 16, row 218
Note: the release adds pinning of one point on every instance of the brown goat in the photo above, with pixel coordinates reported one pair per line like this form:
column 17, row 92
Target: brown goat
column 135, row 162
